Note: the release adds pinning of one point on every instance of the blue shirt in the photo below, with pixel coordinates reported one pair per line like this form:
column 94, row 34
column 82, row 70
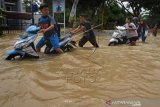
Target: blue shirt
column 45, row 22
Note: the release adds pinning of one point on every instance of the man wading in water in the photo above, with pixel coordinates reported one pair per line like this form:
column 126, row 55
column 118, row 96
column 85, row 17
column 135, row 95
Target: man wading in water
column 88, row 35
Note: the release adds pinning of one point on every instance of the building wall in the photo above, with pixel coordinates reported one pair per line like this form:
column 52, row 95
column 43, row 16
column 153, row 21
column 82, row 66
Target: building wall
column 13, row 5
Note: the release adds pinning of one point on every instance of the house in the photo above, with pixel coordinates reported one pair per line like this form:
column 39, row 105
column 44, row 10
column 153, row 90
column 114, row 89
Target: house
column 14, row 13
column 12, row 5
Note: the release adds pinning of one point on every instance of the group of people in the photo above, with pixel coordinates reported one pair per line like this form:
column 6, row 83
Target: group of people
column 48, row 28
column 136, row 31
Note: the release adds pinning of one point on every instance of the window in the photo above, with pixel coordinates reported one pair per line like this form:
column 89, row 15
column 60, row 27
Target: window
column 9, row 8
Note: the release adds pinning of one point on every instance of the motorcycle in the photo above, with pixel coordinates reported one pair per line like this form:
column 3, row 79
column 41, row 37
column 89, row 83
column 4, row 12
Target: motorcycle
column 119, row 36
column 24, row 46
column 66, row 44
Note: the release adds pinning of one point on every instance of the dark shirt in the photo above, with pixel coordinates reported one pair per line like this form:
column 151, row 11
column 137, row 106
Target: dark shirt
column 45, row 22
column 87, row 29
column 142, row 28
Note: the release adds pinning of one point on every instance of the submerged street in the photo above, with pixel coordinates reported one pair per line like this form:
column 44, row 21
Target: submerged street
column 85, row 77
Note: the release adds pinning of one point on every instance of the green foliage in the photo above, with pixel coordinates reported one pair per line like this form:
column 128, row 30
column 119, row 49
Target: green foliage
column 113, row 15
column 108, row 11
column 107, row 14
column 152, row 5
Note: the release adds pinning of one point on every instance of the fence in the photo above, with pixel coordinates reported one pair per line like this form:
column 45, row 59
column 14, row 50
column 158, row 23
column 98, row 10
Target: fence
column 15, row 21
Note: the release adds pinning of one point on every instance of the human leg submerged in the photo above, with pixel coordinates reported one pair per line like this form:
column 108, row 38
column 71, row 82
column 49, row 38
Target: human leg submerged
column 40, row 44
column 54, row 39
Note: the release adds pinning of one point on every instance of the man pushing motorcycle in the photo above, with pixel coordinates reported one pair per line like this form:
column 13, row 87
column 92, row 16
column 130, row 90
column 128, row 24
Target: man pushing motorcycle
column 47, row 24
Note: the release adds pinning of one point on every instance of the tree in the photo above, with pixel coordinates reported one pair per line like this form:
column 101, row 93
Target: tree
column 154, row 11
column 98, row 11
column 137, row 5
column 114, row 15
column 151, row 7
column 134, row 5
column 85, row 6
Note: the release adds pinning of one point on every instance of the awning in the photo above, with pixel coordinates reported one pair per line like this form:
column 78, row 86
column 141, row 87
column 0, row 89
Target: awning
column 17, row 15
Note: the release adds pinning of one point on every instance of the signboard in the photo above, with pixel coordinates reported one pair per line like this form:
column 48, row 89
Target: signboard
column 58, row 6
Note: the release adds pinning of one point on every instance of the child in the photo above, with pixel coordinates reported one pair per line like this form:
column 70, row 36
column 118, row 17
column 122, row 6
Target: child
column 132, row 34
column 89, row 35
column 46, row 22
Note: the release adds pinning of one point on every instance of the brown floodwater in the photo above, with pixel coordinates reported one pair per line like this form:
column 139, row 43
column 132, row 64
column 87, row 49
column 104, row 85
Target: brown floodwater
column 121, row 76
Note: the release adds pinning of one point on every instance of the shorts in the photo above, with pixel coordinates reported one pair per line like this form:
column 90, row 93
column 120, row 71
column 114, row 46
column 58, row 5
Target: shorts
column 54, row 39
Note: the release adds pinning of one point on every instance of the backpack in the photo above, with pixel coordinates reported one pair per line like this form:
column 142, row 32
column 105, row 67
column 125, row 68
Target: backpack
column 57, row 28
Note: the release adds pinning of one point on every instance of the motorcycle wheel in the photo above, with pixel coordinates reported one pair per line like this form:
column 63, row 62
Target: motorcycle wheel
column 112, row 44
column 68, row 48
column 12, row 57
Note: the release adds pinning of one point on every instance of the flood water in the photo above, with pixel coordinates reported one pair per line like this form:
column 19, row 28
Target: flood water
column 121, row 76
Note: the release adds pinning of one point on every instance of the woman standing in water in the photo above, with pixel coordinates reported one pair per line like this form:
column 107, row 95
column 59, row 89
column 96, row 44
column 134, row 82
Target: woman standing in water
column 132, row 34
column 142, row 30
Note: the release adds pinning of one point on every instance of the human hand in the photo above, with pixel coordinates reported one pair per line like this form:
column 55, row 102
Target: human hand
column 128, row 30
column 72, row 33
column 42, row 31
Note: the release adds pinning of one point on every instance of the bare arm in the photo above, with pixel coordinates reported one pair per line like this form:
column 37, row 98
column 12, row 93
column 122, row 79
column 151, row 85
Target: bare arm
column 47, row 29
column 77, row 30
column 132, row 28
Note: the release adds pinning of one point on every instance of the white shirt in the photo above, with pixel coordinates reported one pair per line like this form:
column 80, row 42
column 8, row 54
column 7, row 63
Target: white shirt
column 131, row 33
